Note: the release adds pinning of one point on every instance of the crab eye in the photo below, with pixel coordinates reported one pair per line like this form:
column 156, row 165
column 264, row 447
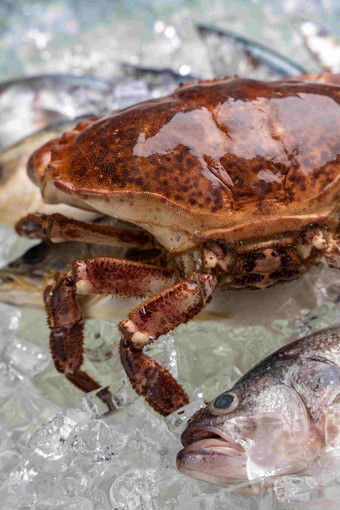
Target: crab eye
column 226, row 403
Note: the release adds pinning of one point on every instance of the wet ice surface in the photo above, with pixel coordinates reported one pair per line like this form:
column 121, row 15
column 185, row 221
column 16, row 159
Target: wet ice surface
column 54, row 451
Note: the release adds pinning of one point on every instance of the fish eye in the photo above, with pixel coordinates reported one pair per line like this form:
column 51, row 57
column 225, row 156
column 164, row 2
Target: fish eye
column 226, row 403
column 36, row 253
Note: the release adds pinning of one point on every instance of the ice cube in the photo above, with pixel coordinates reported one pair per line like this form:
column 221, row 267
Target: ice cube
column 150, row 441
column 164, row 351
column 135, row 489
column 176, row 490
column 70, row 504
column 27, row 358
column 54, row 436
column 22, row 410
column 8, row 239
column 90, row 403
column 125, row 395
column 8, row 460
column 10, row 320
column 95, row 440
column 9, row 381
column 18, row 501
column 10, row 317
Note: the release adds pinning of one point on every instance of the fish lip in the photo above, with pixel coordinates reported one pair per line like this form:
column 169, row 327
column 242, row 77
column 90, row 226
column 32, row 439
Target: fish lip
column 6, row 278
column 196, row 434
column 12, row 279
column 213, row 457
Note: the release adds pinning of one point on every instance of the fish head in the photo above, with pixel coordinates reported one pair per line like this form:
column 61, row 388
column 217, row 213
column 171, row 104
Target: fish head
column 22, row 281
column 259, row 428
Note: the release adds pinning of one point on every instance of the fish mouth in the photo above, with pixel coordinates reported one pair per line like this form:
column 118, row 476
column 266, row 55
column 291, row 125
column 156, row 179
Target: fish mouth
column 13, row 280
column 20, row 290
column 212, row 456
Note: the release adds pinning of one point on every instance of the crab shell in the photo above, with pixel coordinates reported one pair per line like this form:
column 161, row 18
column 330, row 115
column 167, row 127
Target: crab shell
column 231, row 159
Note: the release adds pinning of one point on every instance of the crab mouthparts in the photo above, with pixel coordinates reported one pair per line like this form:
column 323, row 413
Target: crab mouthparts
column 212, row 457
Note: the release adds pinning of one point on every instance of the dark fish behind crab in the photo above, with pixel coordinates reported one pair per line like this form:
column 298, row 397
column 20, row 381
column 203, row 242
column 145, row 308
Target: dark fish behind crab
column 243, row 55
column 31, row 103
column 275, row 421
column 158, row 74
column 22, row 281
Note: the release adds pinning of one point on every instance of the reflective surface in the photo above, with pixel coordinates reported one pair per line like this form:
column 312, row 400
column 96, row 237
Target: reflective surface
column 215, row 148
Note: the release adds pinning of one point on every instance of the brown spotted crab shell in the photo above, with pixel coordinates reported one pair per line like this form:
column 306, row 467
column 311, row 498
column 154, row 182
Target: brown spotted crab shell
column 231, row 159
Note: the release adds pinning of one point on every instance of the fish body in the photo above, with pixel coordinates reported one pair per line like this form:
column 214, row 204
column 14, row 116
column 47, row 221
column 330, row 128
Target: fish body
column 276, row 420
column 260, row 54
column 31, row 103
column 158, row 74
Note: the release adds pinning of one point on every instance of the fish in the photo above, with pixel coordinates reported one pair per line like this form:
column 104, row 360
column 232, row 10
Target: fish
column 155, row 76
column 277, row 420
column 242, row 56
column 19, row 195
column 23, row 281
column 31, row 103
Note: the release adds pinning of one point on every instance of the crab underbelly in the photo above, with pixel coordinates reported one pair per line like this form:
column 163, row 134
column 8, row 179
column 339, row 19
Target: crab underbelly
column 262, row 280
column 285, row 265
column 263, row 263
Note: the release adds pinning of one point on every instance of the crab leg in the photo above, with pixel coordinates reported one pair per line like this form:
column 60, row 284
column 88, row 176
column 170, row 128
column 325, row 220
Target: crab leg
column 155, row 317
column 66, row 339
column 102, row 275
column 58, row 228
column 106, row 275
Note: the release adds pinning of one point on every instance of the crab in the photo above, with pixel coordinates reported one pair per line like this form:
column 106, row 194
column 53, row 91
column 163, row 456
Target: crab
column 234, row 182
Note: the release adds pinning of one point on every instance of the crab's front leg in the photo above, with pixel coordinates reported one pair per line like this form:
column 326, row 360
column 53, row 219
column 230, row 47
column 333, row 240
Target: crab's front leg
column 58, row 228
column 155, row 317
column 101, row 275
